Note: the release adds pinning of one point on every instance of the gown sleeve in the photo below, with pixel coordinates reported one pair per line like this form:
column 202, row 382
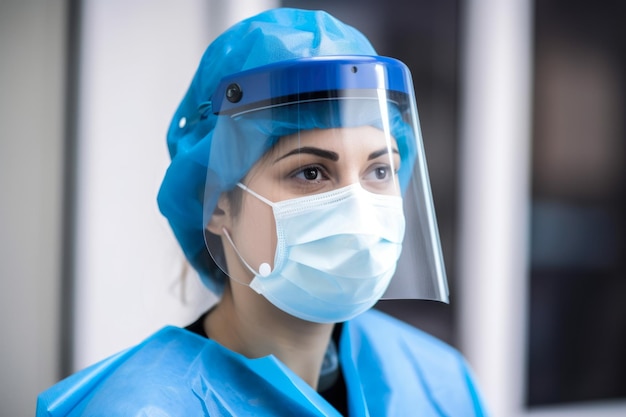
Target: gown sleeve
column 63, row 397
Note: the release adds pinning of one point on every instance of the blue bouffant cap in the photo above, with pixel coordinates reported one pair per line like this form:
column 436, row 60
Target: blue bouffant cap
column 270, row 37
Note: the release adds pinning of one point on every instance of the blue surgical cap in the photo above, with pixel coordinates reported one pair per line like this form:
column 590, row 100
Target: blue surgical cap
column 197, row 158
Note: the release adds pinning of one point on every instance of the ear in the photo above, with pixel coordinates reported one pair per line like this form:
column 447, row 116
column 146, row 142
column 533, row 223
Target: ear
column 220, row 217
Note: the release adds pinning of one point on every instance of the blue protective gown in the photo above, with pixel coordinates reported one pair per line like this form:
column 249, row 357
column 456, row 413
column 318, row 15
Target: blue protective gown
column 390, row 369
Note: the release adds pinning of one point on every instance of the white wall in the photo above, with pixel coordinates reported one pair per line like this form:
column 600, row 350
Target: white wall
column 32, row 48
column 137, row 59
column 495, row 141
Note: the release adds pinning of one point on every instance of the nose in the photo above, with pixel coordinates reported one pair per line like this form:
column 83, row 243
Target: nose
column 348, row 175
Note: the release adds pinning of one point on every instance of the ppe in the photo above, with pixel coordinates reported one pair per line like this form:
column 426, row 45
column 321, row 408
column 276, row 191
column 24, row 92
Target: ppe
column 360, row 110
column 335, row 255
column 390, row 369
column 281, row 74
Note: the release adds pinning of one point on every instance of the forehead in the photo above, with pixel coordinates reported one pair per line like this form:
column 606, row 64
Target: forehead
column 346, row 139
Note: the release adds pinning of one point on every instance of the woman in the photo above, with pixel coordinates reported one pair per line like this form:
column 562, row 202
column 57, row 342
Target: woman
column 297, row 178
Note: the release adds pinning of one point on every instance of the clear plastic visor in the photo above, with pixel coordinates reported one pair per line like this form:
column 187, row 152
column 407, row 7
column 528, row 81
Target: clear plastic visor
column 289, row 163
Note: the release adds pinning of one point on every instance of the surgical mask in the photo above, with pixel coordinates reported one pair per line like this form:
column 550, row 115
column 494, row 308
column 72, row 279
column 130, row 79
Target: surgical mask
column 336, row 253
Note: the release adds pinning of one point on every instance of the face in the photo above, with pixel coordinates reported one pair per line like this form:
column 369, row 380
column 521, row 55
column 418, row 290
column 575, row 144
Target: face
column 310, row 162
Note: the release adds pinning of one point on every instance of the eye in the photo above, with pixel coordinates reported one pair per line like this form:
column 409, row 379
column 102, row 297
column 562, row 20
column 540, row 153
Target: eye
column 381, row 172
column 310, row 173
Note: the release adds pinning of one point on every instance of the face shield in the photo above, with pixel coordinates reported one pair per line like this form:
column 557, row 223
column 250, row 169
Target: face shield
column 319, row 150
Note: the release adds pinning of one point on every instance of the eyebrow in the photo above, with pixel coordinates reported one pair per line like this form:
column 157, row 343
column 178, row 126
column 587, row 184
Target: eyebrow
column 333, row 156
column 381, row 152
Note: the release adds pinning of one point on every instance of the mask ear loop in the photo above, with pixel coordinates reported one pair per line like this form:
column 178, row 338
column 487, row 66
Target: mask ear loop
column 259, row 196
column 264, row 269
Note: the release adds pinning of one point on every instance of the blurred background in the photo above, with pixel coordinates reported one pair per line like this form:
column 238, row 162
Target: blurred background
column 522, row 112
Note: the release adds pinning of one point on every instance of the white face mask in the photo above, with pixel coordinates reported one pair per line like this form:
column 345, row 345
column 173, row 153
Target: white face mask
column 336, row 253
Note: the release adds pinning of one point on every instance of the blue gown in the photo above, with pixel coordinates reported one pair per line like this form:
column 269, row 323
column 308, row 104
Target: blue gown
column 390, row 369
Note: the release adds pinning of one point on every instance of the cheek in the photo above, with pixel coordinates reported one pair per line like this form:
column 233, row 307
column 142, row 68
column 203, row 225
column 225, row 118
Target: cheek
column 254, row 232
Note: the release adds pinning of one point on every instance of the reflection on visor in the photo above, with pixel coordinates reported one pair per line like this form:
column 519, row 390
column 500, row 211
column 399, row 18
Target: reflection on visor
column 395, row 97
